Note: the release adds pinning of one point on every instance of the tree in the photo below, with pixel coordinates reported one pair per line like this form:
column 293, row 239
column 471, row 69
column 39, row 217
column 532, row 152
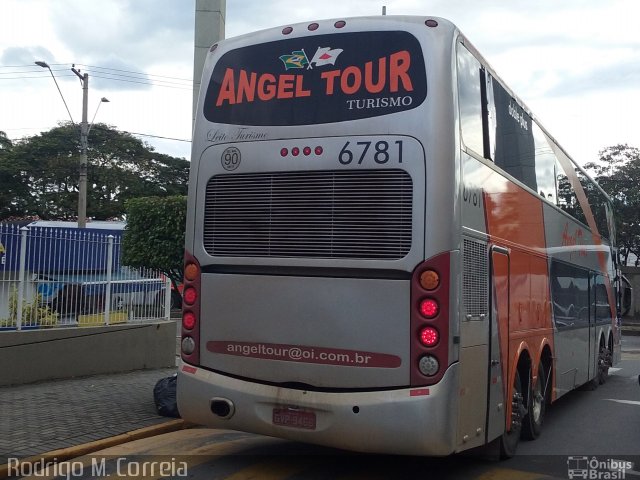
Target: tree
column 154, row 236
column 120, row 167
column 12, row 189
column 618, row 173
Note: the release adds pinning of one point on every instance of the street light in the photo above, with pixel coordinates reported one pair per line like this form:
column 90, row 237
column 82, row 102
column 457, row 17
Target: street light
column 45, row 65
column 84, row 133
column 102, row 100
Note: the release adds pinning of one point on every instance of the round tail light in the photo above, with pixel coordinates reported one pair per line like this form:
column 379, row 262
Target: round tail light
column 191, row 272
column 190, row 296
column 188, row 345
column 429, row 336
column 429, row 280
column 428, row 365
column 429, row 308
column 189, row 320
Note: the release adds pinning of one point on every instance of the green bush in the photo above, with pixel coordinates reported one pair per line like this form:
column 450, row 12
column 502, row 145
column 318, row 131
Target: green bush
column 33, row 313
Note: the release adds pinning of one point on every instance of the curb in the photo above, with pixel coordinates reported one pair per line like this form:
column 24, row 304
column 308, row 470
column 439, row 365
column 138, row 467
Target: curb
column 63, row 454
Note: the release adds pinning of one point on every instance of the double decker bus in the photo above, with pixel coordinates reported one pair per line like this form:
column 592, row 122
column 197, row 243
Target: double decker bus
column 385, row 250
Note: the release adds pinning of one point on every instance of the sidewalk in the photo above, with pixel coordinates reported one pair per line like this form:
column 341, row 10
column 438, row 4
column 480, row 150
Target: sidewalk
column 53, row 415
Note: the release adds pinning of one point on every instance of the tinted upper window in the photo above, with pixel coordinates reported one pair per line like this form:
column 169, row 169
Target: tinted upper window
column 317, row 79
column 515, row 147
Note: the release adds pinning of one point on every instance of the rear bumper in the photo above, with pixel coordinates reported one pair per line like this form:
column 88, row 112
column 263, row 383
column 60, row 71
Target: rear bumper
column 418, row 421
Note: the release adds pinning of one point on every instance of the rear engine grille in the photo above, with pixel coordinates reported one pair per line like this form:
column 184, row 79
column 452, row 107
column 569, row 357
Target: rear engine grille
column 475, row 278
column 318, row 214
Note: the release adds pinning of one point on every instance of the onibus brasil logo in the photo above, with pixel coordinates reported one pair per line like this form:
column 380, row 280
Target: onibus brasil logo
column 593, row 468
column 299, row 58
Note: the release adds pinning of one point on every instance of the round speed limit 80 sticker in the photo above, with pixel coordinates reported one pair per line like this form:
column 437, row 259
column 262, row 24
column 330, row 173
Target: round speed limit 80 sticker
column 230, row 158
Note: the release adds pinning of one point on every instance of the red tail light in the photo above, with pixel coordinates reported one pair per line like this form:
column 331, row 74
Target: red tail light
column 429, row 336
column 190, row 344
column 189, row 320
column 430, row 320
column 190, row 295
column 429, row 308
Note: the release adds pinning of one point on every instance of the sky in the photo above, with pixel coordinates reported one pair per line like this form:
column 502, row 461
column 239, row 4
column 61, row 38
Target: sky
column 575, row 63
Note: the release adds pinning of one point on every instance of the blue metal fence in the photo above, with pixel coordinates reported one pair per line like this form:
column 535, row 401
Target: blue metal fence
column 54, row 274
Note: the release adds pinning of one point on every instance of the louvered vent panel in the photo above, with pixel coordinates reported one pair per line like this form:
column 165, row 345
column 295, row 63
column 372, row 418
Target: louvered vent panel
column 317, row 214
column 475, row 278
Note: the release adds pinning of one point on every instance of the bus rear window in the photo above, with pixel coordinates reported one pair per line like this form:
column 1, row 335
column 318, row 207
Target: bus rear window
column 317, row 79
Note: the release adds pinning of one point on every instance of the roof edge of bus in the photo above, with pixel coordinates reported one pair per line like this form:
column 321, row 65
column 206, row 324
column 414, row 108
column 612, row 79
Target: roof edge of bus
column 333, row 20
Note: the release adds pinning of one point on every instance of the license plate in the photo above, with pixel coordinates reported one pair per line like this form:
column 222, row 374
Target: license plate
column 294, row 418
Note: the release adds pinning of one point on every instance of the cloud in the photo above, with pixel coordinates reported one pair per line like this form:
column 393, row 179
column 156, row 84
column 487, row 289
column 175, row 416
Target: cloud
column 25, row 55
column 145, row 32
column 621, row 76
column 19, row 66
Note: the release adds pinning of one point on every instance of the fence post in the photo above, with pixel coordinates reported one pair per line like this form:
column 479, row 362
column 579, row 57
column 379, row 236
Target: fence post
column 109, row 266
column 167, row 298
column 23, row 261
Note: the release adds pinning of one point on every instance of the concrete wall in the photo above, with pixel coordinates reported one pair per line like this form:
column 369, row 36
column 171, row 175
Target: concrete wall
column 46, row 354
column 633, row 275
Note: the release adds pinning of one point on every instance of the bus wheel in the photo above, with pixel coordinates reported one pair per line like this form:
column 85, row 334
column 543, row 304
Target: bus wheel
column 604, row 361
column 509, row 440
column 532, row 425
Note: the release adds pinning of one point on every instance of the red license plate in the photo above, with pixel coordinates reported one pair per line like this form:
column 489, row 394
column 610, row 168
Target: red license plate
column 294, row 418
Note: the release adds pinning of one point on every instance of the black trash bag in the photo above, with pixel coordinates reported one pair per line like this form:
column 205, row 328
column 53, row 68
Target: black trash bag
column 164, row 396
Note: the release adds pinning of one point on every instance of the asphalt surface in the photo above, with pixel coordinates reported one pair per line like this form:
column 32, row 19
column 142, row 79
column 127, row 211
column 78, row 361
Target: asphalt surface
column 46, row 417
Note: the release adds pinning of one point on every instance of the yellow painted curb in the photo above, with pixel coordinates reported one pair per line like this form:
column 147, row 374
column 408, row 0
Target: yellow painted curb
column 78, row 450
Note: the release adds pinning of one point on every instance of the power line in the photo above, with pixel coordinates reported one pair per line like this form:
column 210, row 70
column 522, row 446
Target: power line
column 92, row 73
column 95, row 67
column 39, row 76
column 33, row 71
column 158, row 136
column 156, row 83
column 143, row 83
column 98, row 127
column 137, row 73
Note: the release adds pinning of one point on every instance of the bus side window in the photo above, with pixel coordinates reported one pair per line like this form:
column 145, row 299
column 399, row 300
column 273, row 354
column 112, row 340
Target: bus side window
column 569, row 294
column 545, row 166
column 567, row 198
column 470, row 100
column 488, row 115
column 603, row 312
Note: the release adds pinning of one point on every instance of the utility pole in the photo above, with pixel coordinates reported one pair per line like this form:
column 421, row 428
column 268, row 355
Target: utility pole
column 85, row 128
column 209, row 29
column 84, row 133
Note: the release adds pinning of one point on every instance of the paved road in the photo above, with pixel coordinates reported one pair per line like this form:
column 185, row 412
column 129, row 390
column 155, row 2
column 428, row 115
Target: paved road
column 218, row 454
column 603, row 424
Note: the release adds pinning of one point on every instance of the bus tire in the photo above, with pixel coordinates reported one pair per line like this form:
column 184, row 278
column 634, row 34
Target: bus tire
column 604, row 361
column 510, row 439
column 536, row 405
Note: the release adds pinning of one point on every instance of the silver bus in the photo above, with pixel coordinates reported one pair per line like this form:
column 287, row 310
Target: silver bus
column 385, row 250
